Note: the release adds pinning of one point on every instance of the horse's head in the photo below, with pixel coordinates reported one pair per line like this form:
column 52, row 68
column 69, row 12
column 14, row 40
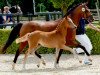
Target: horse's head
column 71, row 24
column 68, row 23
column 85, row 12
column 64, row 25
column 15, row 9
column 81, row 11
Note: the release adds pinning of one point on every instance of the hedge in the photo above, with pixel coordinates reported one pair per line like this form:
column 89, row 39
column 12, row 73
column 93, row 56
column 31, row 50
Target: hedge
column 93, row 35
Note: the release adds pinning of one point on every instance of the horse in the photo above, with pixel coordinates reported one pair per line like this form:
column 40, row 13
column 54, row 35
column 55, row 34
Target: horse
column 53, row 39
column 21, row 29
column 15, row 9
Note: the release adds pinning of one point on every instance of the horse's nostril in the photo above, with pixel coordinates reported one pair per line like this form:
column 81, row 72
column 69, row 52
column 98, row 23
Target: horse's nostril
column 75, row 27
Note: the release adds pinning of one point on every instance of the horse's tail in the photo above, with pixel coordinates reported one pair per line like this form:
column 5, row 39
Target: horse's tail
column 13, row 35
column 23, row 38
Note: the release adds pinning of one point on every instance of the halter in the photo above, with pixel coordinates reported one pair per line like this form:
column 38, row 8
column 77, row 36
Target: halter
column 84, row 10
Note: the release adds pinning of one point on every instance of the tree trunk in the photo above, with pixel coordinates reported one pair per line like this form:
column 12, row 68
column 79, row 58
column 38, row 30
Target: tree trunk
column 64, row 10
column 97, row 7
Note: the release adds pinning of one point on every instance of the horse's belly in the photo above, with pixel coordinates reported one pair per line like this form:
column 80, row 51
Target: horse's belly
column 52, row 42
column 48, row 43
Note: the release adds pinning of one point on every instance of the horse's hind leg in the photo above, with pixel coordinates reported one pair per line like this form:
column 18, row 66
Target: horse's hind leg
column 25, row 58
column 30, row 49
column 22, row 46
column 39, row 56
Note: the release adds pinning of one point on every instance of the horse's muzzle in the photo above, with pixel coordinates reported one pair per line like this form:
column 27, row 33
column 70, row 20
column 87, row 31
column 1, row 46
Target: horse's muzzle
column 75, row 27
column 90, row 18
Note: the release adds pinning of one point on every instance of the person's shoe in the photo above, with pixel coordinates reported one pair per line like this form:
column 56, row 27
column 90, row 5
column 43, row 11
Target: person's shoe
column 78, row 50
column 87, row 63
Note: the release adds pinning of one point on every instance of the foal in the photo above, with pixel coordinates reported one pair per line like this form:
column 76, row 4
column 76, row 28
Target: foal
column 54, row 39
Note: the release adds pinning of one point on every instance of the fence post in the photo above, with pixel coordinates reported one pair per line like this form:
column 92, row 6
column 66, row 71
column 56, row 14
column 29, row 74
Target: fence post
column 96, row 3
column 54, row 15
column 18, row 18
column 29, row 16
column 48, row 17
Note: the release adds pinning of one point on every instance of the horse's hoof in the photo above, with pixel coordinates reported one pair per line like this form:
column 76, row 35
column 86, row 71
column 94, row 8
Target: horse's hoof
column 80, row 61
column 56, row 66
column 90, row 60
column 38, row 66
column 13, row 66
column 23, row 68
column 44, row 63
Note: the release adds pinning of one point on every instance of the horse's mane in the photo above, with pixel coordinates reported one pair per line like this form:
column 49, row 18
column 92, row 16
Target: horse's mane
column 70, row 9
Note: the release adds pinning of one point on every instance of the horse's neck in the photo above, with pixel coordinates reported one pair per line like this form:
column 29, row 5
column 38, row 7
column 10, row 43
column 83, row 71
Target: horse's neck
column 75, row 18
column 61, row 28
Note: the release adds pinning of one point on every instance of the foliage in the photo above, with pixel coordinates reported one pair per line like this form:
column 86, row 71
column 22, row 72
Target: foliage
column 41, row 7
column 49, row 4
column 63, row 4
column 3, row 38
column 95, row 39
column 93, row 35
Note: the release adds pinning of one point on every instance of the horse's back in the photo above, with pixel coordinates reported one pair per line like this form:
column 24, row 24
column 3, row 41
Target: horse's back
column 38, row 25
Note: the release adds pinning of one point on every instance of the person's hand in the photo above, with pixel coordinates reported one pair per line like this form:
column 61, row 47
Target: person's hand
column 98, row 30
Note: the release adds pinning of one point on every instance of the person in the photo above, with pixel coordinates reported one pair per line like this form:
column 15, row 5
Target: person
column 19, row 9
column 7, row 17
column 16, row 9
column 1, row 19
column 83, row 39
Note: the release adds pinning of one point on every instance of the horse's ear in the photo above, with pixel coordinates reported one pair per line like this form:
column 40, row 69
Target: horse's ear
column 86, row 3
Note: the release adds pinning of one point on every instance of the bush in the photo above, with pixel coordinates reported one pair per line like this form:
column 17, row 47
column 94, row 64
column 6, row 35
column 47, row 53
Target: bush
column 3, row 38
column 93, row 35
column 95, row 39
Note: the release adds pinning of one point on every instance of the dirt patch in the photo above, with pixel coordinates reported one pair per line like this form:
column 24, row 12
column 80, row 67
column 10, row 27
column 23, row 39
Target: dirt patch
column 68, row 66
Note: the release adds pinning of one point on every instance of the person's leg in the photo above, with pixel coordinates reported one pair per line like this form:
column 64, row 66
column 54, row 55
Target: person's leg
column 85, row 41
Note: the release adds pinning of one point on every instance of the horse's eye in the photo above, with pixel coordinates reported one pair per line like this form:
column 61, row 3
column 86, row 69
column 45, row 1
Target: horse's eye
column 83, row 9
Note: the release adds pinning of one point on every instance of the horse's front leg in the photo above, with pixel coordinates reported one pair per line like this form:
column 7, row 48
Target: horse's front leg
column 58, row 57
column 56, row 64
column 72, row 51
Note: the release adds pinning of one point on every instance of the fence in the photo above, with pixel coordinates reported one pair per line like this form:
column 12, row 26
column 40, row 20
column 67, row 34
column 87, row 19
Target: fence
column 95, row 15
column 40, row 16
column 50, row 15
column 14, row 22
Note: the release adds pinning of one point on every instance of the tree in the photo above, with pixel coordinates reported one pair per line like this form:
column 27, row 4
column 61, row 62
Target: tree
column 97, row 7
column 63, row 4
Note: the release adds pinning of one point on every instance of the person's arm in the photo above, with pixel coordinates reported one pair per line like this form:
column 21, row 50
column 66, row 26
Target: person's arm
column 93, row 27
column 8, row 17
column 8, row 20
